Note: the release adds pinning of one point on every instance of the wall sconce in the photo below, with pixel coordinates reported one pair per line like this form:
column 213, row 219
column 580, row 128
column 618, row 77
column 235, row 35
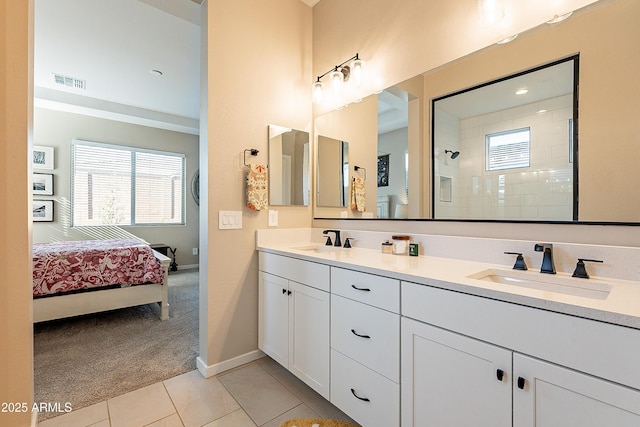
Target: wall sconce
column 338, row 76
column 491, row 11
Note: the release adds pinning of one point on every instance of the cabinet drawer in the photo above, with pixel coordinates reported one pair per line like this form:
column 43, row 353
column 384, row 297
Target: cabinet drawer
column 378, row 291
column 305, row 272
column 378, row 346
column 352, row 383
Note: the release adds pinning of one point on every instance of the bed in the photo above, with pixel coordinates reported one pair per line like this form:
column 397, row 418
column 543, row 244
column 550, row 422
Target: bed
column 72, row 278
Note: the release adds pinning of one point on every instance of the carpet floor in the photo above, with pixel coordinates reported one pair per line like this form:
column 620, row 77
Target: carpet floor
column 88, row 359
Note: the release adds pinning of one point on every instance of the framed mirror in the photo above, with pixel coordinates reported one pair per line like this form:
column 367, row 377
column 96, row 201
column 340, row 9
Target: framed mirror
column 506, row 149
column 289, row 176
column 605, row 37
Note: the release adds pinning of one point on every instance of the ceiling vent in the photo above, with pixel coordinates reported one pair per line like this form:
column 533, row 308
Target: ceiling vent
column 70, row 81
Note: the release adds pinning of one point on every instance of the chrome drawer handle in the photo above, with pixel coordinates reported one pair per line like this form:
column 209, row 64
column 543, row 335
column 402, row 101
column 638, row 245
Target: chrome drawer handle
column 364, row 399
column 358, row 335
column 360, row 289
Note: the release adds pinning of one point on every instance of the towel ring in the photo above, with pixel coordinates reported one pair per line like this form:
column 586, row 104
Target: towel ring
column 253, row 151
column 357, row 168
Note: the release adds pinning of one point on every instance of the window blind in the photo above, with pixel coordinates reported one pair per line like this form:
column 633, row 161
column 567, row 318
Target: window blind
column 120, row 185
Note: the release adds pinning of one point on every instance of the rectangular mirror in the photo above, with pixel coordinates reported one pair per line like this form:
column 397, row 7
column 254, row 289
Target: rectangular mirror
column 605, row 36
column 505, row 149
column 289, row 177
column 333, row 172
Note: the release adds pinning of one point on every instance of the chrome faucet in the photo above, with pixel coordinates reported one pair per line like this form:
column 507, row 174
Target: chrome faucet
column 547, row 257
column 337, row 242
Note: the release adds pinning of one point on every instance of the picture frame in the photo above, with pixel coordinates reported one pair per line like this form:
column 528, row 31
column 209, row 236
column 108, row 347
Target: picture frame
column 43, row 211
column 42, row 184
column 383, row 170
column 43, row 157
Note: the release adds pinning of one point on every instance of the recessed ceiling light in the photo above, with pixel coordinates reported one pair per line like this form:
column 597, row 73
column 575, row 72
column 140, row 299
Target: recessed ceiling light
column 508, row 39
column 541, row 111
column 156, row 72
column 559, row 18
column 522, row 91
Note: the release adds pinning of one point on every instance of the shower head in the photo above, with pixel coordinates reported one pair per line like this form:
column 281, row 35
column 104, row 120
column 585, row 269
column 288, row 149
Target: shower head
column 454, row 154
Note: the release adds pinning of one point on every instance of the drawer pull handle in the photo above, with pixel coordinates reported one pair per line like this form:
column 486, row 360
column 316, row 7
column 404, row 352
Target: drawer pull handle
column 521, row 382
column 360, row 289
column 364, row 399
column 358, row 335
column 500, row 374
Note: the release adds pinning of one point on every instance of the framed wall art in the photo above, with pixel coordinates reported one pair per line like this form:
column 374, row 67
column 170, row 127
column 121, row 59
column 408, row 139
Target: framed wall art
column 43, row 184
column 42, row 157
column 43, row 211
column 383, row 170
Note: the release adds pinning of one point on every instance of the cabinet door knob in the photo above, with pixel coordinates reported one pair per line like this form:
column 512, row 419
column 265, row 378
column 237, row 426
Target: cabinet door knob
column 360, row 289
column 288, row 292
column 358, row 335
column 521, row 382
column 364, row 399
column 500, row 374
column 284, row 291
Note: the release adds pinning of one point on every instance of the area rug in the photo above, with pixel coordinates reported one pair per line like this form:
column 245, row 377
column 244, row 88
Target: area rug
column 316, row 422
column 88, row 359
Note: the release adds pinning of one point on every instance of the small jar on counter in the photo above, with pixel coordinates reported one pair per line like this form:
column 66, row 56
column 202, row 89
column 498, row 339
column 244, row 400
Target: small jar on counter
column 387, row 247
column 401, row 244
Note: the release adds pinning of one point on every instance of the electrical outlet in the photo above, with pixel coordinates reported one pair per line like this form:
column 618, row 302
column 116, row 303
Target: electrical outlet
column 273, row 218
column 194, row 251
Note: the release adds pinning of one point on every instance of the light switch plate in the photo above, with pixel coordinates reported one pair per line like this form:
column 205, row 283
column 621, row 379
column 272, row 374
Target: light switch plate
column 229, row 220
column 273, row 218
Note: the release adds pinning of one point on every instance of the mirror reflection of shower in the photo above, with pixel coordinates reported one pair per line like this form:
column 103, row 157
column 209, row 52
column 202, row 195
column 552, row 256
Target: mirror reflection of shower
column 454, row 154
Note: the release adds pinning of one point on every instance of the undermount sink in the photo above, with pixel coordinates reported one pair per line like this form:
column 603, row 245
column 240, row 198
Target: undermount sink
column 586, row 288
column 317, row 247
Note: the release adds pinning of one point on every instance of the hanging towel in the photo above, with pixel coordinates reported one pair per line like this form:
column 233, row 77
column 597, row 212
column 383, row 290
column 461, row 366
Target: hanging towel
column 257, row 187
column 358, row 198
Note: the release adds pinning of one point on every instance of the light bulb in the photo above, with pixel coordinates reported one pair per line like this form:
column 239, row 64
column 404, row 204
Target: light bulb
column 357, row 71
column 317, row 91
column 491, row 11
column 337, row 79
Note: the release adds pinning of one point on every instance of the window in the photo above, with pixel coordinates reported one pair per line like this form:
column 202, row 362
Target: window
column 508, row 150
column 119, row 185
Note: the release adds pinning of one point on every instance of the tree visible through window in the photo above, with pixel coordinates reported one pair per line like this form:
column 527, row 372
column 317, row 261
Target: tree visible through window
column 119, row 185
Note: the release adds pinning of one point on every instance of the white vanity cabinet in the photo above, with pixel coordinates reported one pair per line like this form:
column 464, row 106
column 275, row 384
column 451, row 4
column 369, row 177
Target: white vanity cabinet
column 365, row 347
column 293, row 312
column 450, row 379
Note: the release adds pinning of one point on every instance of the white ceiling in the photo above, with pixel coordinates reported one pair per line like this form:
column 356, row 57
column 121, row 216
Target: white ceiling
column 114, row 45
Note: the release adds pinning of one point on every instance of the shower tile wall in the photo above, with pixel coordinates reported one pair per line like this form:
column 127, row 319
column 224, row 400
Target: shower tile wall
column 544, row 191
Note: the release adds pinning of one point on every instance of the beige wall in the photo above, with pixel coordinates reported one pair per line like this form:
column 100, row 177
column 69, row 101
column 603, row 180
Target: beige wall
column 259, row 73
column 16, row 331
column 57, row 129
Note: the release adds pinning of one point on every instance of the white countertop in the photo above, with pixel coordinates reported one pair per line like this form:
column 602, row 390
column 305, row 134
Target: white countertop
column 621, row 306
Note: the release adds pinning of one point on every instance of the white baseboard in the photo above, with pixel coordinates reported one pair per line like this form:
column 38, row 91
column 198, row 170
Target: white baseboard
column 211, row 370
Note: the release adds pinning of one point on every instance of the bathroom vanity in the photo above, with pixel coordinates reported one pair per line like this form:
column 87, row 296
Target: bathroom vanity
column 416, row 341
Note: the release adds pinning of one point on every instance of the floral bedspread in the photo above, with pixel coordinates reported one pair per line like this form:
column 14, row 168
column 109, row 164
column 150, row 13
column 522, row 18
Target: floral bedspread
column 73, row 265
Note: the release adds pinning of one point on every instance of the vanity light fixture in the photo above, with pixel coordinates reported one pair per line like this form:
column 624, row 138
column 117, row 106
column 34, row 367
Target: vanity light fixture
column 351, row 69
column 491, row 11
column 559, row 18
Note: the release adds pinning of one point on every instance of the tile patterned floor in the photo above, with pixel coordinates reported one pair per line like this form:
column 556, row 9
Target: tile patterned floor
column 261, row 393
